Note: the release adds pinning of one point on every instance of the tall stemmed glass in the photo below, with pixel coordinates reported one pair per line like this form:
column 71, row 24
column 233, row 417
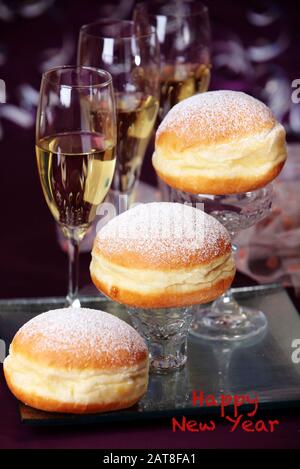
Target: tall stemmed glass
column 131, row 55
column 183, row 32
column 75, row 151
column 225, row 319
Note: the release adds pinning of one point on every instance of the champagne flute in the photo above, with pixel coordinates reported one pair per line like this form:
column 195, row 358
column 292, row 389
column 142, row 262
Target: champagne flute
column 131, row 55
column 183, row 31
column 75, row 151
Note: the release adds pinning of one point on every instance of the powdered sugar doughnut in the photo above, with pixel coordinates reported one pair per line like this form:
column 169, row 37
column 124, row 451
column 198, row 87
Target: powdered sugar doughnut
column 219, row 142
column 162, row 255
column 78, row 361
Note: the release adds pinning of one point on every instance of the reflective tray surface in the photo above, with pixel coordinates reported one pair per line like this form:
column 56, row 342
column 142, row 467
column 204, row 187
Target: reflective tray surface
column 261, row 367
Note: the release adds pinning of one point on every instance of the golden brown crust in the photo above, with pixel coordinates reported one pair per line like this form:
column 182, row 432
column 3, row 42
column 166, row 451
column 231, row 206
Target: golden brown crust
column 220, row 142
column 53, row 405
column 214, row 118
column 162, row 236
column 77, row 360
column 166, row 299
column 175, row 140
column 36, row 345
column 197, row 184
column 173, row 255
column 131, row 258
column 109, row 360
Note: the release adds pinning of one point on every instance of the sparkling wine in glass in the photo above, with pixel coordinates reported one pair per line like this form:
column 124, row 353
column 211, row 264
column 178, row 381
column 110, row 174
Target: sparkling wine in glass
column 183, row 32
column 131, row 55
column 75, row 151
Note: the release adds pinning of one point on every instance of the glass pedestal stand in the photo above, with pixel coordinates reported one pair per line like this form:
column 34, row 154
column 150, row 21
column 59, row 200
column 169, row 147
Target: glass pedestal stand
column 225, row 319
column 165, row 331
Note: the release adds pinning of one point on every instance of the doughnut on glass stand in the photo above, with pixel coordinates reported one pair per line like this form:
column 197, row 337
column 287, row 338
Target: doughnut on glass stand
column 225, row 319
column 165, row 331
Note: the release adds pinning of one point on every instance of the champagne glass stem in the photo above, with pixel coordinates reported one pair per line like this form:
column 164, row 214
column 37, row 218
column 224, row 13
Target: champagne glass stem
column 223, row 355
column 225, row 309
column 227, row 320
column 73, row 252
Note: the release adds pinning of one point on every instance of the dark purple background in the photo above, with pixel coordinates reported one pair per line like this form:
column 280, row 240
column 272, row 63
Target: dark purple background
column 32, row 263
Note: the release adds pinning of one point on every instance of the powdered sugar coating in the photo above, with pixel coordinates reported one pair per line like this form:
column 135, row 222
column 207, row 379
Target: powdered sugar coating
column 215, row 117
column 163, row 234
column 80, row 337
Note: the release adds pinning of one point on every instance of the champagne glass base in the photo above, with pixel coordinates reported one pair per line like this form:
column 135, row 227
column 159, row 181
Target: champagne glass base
column 227, row 327
column 226, row 320
column 72, row 302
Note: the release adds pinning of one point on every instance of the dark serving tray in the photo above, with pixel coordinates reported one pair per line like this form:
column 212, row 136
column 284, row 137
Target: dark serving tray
column 262, row 366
